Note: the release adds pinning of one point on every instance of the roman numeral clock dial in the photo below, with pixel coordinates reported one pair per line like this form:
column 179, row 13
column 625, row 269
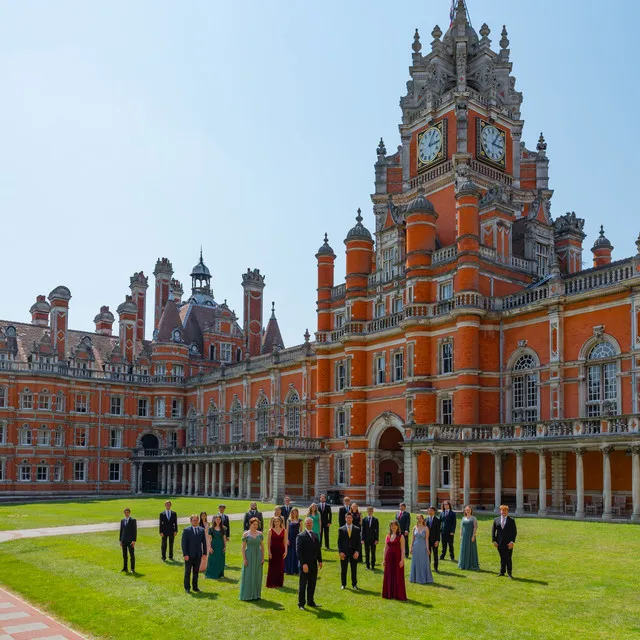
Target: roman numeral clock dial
column 431, row 146
column 491, row 144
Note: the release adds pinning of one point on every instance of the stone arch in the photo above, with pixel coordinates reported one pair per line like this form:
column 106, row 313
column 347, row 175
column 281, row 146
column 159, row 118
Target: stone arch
column 152, row 432
column 597, row 337
column 381, row 424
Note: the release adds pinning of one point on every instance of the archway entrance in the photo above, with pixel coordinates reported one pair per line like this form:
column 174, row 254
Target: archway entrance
column 150, row 482
column 390, row 467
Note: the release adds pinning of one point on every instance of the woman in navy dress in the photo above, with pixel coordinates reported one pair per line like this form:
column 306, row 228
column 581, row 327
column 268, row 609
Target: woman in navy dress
column 291, row 561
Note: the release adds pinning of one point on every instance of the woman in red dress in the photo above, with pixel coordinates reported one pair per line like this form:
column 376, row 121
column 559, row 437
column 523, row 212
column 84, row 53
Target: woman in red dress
column 393, row 563
column 277, row 549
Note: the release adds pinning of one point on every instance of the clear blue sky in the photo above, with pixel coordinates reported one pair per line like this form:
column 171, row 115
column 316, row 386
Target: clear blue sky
column 133, row 130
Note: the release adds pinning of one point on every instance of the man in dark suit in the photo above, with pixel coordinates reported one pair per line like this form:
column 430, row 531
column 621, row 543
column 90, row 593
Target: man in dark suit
column 194, row 546
column 447, row 530
column 285, row 510
column 325, row 519
column 503, row 536
column 370, row 537
column 433, row 522
column 404, row 520
column 168, row 530
column 253, row 513
column 310, row 559
column 224, row 518
column 350, row 549
column 342, row 512
column 128, row 537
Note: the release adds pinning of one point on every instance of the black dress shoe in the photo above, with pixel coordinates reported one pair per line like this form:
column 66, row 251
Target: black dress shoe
column 355, row 587
column 123, row 570
column 187, row 590
column 342, row 588
column 511, row 576
column 313, row 604
column 170, row 557
column 442, row 557
column 500, row 575
column 301, row 607
column 197, row 591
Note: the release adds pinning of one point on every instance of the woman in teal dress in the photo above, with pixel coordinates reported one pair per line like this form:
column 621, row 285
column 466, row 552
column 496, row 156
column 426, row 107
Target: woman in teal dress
column 314, row 514
column 252, row 561
column 217, row 549
column 468, row 558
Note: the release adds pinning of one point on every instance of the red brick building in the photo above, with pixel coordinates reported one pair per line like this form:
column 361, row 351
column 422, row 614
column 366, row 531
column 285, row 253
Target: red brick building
column 467, row 355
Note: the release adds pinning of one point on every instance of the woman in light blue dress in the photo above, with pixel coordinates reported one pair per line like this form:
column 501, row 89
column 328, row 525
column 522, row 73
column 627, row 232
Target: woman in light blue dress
column 420, row 567
column 468, row 558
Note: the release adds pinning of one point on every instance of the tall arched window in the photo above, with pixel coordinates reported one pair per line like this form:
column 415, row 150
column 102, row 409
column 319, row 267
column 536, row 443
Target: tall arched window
column 524, row 404
column 292, row 414
column 262, row 422
column 213, row 425
column 602, row 384
column 236, row 421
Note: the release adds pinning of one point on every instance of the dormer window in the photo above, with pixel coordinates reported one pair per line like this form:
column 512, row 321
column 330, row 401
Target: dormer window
column 176, row 335
column 225, row 352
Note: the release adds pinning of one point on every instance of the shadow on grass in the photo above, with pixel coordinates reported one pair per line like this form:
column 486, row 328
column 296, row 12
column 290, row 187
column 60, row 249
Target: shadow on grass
column 364, row 592
column 287, row 590
column 226, row 579
column 326, row 614
column 135, row 574
column 205, row 595
column 415, row 603
column 448, row 573
column 266, row 604
column 438, row 585
column 531, row 581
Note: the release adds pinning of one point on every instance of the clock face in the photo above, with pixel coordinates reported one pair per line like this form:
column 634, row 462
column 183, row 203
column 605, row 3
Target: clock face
column 430, row 145
column 492, row 140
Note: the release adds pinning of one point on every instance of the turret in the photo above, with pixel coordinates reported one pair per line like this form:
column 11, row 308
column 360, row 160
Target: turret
column 139, row 283
column 162, row 273
column 40, row 312
column 326, row 260
column 104, row 322
column 252, row 286
column 59, row 319
column 420, row 218
column 359, row 245
column 177, row 291
column 601, row 250
column 127, row 312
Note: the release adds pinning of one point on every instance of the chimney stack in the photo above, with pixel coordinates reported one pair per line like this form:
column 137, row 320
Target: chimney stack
column 139, row 283
column 104, row 322
column 40, row 312
column 59, row 319
column 163, row 273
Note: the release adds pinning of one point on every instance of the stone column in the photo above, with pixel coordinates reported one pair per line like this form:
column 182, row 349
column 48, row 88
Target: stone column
column 174, row 479
column 322, row 475
column 305, row 479
column 519, row 483
column 409, row 494
column 454, row 479
column 278, row 487
column 196, row 488
column 163, row 477
column 240, row 479
column 247, row 480
column 466, row 497
column 214, row 476
column 263, row 480
column 497, row 482
column 606, row 483
column 205, row 491
column 184, row 478
column 139, row 485
column 635, row 483
column 134, row 477
column 221, row 479
column 558, row 472
column 542, row 480
column 190, row 480
column 233, row 479
column 433, row 481
column 579, row 484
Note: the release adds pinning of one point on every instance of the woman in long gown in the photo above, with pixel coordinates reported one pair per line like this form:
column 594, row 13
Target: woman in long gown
column 217, row 548
column 468, row 558
column 205, row 525
column 420, row 566
column 393, row 563
column 252, row 561
column 357, row 522
column 314, row 514
column 277, row 550
column 291, row 561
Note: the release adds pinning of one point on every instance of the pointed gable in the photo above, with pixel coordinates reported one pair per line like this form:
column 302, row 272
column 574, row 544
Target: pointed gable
column 169, row 321
column 272, row 336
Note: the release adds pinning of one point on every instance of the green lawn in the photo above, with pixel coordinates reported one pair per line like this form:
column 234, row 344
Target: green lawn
column 572, row 580
column 89, row 510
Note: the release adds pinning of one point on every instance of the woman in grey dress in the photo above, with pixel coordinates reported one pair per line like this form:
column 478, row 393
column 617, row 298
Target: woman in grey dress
column 420, row 567
column 468, row 558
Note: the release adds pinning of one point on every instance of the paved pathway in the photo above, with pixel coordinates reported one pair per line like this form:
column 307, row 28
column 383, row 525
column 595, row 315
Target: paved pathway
column 21, row 621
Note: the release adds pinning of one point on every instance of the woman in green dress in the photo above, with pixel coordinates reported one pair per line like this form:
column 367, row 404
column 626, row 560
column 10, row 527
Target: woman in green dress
column 468, row 558
column 252, row 561
column 217, row 548
column 314, row 514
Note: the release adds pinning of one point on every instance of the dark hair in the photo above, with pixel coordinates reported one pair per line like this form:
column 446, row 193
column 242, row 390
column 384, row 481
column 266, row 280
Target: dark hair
column 394, row 521
column 431, row 507
column 446, row 502
column 203, row 523
column 402, row 504
column 252, row 520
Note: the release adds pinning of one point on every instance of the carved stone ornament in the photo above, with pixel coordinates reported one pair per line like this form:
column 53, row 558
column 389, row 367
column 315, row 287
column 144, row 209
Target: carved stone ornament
column 522, row 343
column 598, row 331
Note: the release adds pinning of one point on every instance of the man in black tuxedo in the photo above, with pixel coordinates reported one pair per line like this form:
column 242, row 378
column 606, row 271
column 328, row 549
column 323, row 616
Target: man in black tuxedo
column 168, row 530
column 128, row 537
column 503, row 535
column 350, row 549
column 325, row 519
column 342, row 512
column 224, row 518
column 194, row 546
column 447, row 530
column 253, row 513
column 310, row 559
column 433, row 522
column 370, row 537
column 285, row 510
column 404, row 520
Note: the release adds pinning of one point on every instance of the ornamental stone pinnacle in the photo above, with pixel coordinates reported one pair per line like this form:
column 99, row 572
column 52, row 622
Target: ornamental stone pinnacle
column 416, row 46
column 485, row 31
column 381, row 150
column 436, row 34
column 504, row 41
column 542, row 145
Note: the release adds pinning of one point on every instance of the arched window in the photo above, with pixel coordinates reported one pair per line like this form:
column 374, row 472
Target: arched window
column 262, row 422
column 524, row 404
column 236, row 421
column 213, row 425
column 602, row 384
column 25, row 436
column 44, row 436
column 292, row 415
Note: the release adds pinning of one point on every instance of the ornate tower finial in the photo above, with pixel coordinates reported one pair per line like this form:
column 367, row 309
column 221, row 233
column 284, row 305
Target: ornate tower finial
column 381, row 150
column 504, row 41
column 307, row 335
column 638, row 244
column 359, row 216
column 436, row 34
column 485, row 31
column 273, row 309
column 416, row 46
column 542, row 145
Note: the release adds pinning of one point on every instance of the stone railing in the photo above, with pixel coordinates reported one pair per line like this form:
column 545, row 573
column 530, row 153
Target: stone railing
column 387, row 322
column 444, row 255
column 338, row 291
column 488, row 252
column 521, row 263
column 601, row 277
column 521, row 299
column 441, row 170
column 494, row 175
column 549, row 430
column 380, row 277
